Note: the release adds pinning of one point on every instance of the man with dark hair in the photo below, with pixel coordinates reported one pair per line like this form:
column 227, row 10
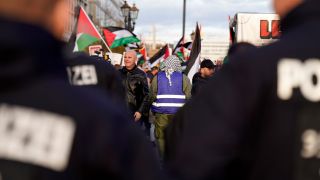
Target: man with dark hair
column 207, row 68
column 49, row 129
column 259, row 117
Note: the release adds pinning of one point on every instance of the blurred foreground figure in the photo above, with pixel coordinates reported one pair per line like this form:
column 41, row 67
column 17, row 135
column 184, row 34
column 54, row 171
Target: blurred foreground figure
column 259, row 118
column 238, row 48
column 48, row 129
column 87, row 71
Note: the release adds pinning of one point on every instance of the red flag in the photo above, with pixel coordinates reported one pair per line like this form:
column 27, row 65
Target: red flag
column 143, row 52
column 110, row 37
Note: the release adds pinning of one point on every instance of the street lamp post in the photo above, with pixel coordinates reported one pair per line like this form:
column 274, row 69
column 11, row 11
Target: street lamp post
column 130, row 15
column 184, row 18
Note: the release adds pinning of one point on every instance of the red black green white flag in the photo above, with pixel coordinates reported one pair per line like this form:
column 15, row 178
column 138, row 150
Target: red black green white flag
column 160, row 56
column 87, row 34
column 182, row 49
column 116, row 36
column 193, row 65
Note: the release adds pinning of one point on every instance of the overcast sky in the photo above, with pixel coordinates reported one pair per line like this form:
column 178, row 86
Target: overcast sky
column 166, row 16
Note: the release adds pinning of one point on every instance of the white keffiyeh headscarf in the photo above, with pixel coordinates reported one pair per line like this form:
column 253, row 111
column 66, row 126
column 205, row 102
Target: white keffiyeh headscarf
column 170, row 65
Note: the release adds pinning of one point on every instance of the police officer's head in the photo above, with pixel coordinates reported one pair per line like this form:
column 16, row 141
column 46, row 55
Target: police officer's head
column 283, row 7
column 54, row 15
column 130, row 59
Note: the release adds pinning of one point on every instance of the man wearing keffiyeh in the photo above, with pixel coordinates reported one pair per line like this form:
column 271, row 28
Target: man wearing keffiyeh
column 169, row 91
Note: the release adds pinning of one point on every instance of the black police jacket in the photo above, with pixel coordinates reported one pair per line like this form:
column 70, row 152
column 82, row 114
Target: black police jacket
column 137, row 90
column 87, row 71
column 51, row 130
column 259, row 117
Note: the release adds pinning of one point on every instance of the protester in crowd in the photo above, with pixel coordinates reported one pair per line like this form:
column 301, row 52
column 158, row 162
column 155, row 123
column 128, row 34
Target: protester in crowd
column 207, row 68
column 84, row 70
column 135, row 82
column 237, row 48
column 49, row 129
column 152, row 73
column 169, row 91
column 259, row 116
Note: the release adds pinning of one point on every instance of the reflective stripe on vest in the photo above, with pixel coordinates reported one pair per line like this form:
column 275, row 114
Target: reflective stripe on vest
column 169, row 98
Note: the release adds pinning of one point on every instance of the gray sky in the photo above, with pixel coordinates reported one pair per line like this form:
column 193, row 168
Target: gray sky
column 166, row 15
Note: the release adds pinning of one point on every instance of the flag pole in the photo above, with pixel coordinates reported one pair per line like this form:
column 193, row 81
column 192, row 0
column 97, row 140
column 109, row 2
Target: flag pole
column 85, row 13
column 184, row 18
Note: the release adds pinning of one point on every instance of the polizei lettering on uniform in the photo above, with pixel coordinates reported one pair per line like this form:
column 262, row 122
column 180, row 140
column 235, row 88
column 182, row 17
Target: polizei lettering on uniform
column 82, row 75
column 293, row 73
column 35, row 137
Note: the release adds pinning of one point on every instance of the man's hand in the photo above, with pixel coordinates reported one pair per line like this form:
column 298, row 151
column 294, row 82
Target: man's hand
column 137, row 116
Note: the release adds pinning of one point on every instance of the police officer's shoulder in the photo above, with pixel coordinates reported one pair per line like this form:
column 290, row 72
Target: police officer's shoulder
column 95, row 105
column 79, row 58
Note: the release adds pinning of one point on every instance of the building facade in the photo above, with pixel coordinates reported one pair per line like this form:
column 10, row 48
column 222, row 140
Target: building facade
column 214, row 49
column 102, row 12
column 106, row 12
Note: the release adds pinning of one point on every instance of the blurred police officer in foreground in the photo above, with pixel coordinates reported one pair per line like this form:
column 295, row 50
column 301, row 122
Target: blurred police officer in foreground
column 259, row 117
column 48, row 129
column 87, row 71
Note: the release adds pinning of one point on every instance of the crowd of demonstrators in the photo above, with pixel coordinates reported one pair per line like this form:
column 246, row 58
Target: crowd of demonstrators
column 63, row 115
column 258, row 118
column 49, row 129
column 169, row 90
column 207, row 69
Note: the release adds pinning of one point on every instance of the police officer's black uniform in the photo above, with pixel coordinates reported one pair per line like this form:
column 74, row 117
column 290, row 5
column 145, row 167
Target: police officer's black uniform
column 259, row 118
column 51, row 130
column 88, row 71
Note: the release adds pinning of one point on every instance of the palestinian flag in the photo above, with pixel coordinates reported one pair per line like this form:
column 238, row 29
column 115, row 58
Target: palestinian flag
column 160, row 56
column 193, row 64
column 182, row 49
column 231, row 31
column 143, row 52
column 179, row 44
column 116, row 36
column 87, row 34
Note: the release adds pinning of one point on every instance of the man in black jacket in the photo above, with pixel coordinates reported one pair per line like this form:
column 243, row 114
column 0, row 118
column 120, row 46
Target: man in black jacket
column 136, row 84
column 259, row 117
column 49, row 129
column 207, row 69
